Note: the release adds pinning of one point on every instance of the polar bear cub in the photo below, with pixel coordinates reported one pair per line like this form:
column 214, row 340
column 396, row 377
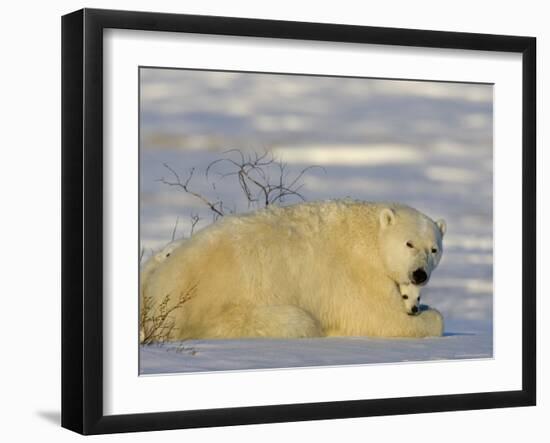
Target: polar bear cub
column 411, row 297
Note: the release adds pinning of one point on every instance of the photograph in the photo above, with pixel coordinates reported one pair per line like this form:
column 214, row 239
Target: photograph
column 291, row 220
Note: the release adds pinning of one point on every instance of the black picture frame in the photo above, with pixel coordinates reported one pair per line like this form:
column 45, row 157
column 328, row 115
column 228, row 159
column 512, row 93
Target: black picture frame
column 82, row 220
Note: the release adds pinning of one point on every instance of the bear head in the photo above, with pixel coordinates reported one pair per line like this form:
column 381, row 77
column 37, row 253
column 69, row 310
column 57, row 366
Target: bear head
column 410, row 244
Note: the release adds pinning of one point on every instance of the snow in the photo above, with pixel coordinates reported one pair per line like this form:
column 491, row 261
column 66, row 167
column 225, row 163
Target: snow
column 231, row 355
column 425, row 144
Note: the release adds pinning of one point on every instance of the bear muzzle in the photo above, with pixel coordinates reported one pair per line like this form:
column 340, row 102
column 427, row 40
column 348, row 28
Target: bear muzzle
column 414, row 311
column 419, row 276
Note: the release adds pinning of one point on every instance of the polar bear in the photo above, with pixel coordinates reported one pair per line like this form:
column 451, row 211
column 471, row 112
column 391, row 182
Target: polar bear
column 331, row 268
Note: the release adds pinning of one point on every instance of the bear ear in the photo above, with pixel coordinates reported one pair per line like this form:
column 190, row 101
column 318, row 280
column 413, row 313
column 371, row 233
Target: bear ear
column 442, row 225
column 387, row 217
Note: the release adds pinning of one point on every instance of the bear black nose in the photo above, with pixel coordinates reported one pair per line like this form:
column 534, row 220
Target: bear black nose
column 419, row 276
column 414, row 309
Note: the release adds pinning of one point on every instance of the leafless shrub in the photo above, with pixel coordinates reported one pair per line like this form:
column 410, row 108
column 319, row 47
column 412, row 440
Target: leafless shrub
column 263, row 180
column 157, row 321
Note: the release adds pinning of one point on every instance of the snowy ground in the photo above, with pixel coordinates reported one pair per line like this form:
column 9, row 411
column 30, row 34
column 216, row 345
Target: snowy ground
column 425, row 144
column 228, row 355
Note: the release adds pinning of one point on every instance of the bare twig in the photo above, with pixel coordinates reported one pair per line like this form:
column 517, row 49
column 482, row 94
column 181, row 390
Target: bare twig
column 175, row 228
column 195, row 218
column 215, row 207
column 141, row 254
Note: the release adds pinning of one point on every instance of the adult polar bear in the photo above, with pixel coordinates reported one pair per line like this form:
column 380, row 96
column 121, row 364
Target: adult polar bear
column 316, row 269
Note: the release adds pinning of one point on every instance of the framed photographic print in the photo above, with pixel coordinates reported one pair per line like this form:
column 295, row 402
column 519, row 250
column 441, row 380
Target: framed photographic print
column 269, row 221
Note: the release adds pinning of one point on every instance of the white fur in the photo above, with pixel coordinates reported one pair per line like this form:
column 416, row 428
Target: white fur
column 411, row 297
column 312, row 269
column 159, row 257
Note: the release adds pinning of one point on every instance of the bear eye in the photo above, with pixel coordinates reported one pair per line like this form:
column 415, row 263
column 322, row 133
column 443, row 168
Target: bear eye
column 409, row 244
column 434, row 250
column 405, row 297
